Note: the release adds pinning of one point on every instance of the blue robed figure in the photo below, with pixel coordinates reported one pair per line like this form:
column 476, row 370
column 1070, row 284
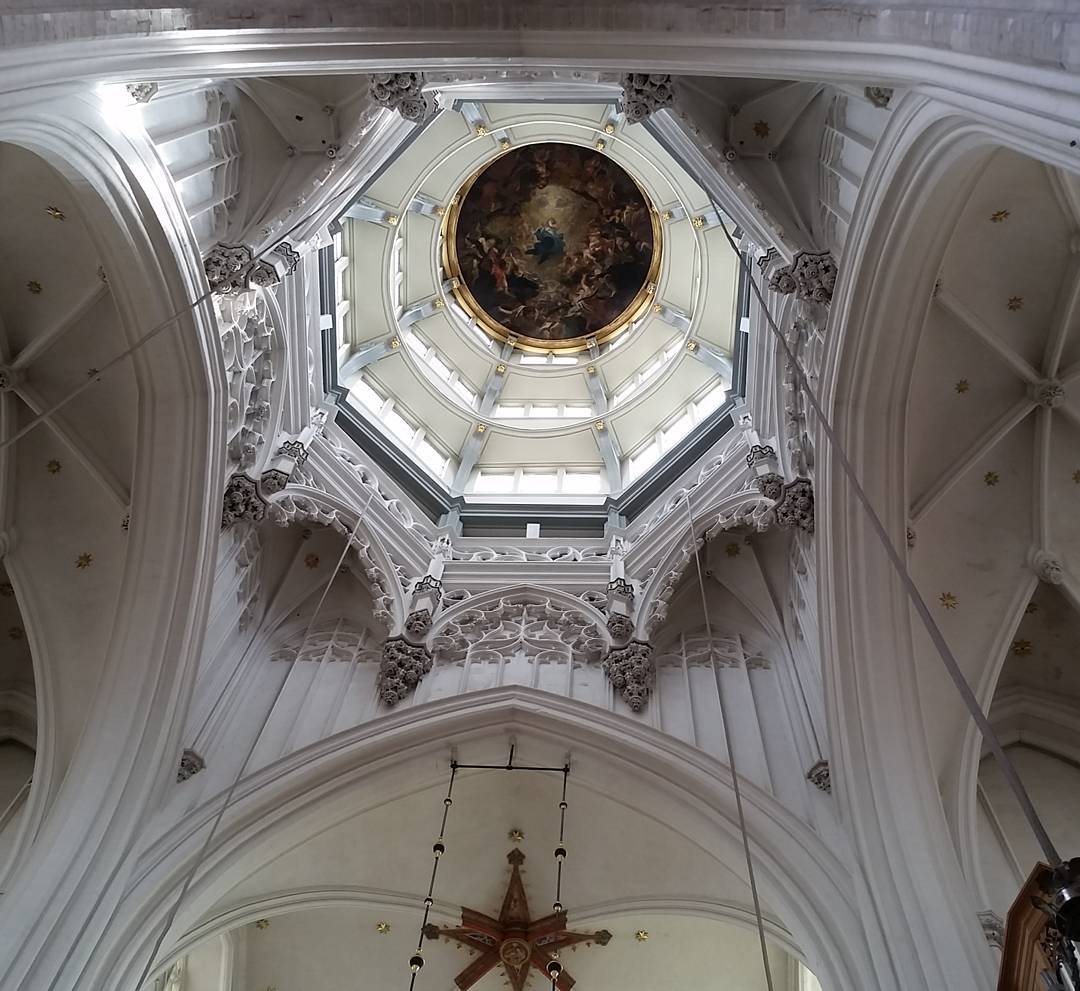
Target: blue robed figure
column 549, row 242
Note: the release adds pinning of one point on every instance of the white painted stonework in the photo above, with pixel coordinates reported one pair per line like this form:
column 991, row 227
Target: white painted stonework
column 248, row 625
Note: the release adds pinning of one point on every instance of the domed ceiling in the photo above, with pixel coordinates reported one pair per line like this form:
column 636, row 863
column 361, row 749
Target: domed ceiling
column 534, row 303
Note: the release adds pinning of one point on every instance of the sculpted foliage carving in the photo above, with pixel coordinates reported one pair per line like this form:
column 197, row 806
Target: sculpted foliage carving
column 631, row 672
column 402, row 668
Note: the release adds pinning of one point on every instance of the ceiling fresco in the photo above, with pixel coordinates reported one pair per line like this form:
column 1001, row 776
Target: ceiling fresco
column 552, row 243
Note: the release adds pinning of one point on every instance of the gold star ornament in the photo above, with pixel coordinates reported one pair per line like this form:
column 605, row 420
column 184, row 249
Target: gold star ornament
column 948, row 600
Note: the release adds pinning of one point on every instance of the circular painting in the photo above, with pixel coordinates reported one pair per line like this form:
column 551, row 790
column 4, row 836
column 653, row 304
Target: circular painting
column 553, row 243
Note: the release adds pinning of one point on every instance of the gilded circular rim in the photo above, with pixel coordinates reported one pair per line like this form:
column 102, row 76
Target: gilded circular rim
column 536, row 345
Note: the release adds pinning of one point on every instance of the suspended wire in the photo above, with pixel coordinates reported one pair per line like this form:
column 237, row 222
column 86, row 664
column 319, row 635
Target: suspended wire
column 171, row 916
column 560, row 850
column 438, row 848
column 899, row 566
column 730, row 750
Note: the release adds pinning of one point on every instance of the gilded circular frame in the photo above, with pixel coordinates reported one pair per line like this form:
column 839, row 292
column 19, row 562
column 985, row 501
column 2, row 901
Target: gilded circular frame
column 641, row 301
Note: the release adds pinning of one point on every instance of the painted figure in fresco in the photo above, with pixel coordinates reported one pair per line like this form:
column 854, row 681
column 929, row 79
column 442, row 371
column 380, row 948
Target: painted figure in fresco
column 554, row 241
column 549, row 242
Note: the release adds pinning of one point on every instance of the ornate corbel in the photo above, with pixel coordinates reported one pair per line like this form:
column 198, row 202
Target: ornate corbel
column 231, row 268
column 402, row 92
column 819, row 776
column 645, row 93
column 795, row 507
column 401, row 669
column 190, row 764
column 630, row 669
column 242, row 502
column 810, row 276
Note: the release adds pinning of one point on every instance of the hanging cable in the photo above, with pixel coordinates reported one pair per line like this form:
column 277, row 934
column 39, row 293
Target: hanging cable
column 438, row 848
column 913, row 594
column 560, row 850
column 171, row 916
column 730, row 751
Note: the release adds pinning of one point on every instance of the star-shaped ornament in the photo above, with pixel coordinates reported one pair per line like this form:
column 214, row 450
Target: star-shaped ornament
column 516, row 941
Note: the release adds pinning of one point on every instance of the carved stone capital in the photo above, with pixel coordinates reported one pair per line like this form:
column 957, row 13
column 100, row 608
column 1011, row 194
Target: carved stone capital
column 1048, row 568
column 811, row 276
column 879, row 96
column 620, row 626
column 770, row 485
column 190, row 764
column 630, row 669
column 273, row 481
column 820, row 777
column 993, row 929
column 644, row 93
column 403, row 92
column 226, row 267
column 795, row 508
column 242, row 502
column 402, row 668
column 142, row 92
column 417, row 624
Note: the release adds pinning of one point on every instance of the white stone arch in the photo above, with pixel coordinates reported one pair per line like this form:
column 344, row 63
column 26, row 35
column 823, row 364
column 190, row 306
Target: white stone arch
column 302, row 504
column 746, row 507
column 913, row 192
column 332, row 780
column 62, row 891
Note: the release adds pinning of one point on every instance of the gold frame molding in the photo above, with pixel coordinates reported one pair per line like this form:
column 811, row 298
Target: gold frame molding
column 536, row 345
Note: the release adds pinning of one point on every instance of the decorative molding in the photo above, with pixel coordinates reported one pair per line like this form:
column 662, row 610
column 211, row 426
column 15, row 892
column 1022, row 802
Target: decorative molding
column 401, row 669
column 289, row 255
column 820, row 777
column 810, row 276
column 402, row 92
column 528, row 622
column 242, row 502
column 879, row 96
column 190, row 765
column 429, row 585
column 620, row 586
column 993, row 929
column 760, row 454
column 294, row 449
column 630, row 670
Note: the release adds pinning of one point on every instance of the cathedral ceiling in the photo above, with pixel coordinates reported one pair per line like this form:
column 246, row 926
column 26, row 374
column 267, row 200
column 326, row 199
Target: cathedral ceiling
column 994, row 437
column 68, row 482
